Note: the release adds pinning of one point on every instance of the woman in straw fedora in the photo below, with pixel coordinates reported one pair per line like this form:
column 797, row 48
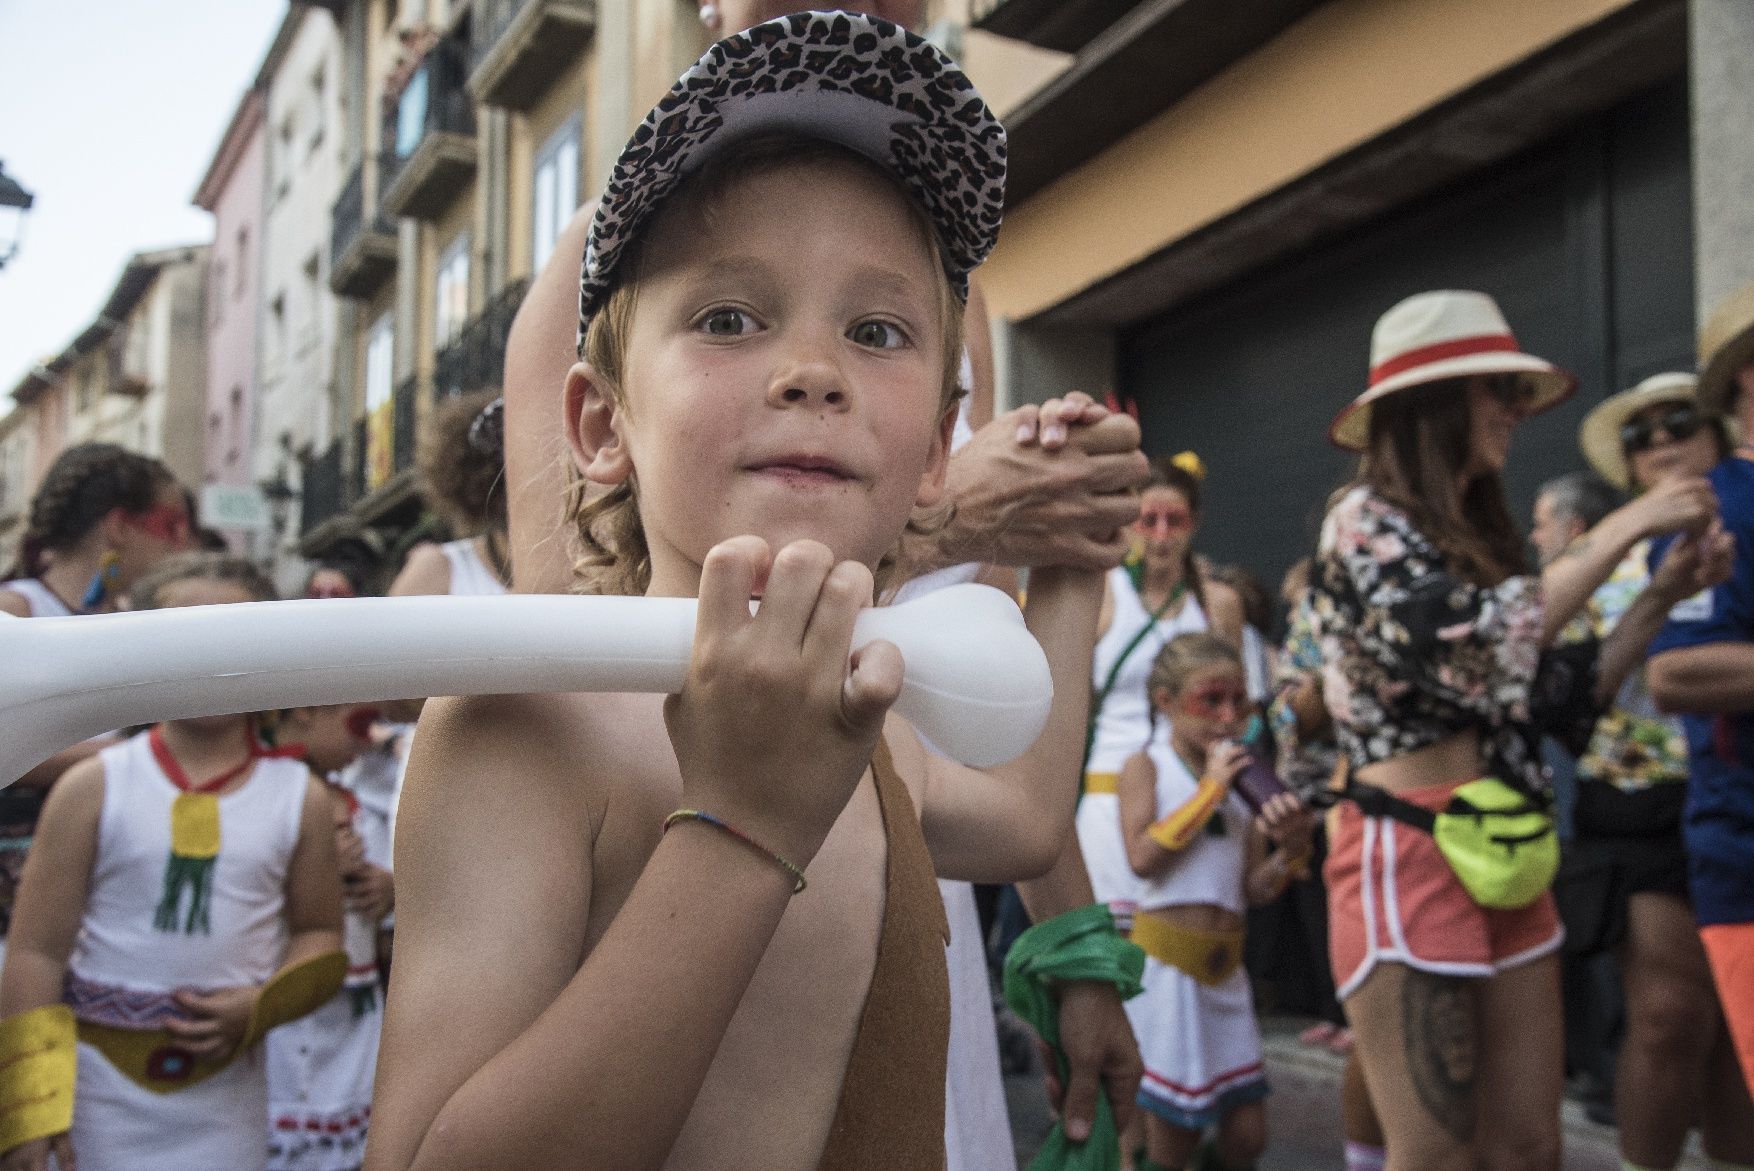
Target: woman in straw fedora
column 1630, row 887
column 1704, row 666
column 1433, row 634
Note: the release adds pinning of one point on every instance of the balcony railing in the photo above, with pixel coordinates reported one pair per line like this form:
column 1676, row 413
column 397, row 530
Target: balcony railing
column 362, row 252
column 127, row 373
column 429, row 137
column 522, row 46
column 325, row 489
column 403, row 407
column 475, row 358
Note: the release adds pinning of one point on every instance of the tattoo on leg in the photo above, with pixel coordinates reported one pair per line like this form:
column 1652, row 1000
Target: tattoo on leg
column 1437, row 1025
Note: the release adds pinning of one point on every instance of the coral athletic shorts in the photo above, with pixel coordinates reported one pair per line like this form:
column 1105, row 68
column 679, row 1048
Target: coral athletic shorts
column 1392, row 897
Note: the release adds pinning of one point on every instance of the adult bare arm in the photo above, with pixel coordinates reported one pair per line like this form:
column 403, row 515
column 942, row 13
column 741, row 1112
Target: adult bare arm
column 1102, row 1054
column 540, row 349
column 1573, row 576
column 1029, row 493
column 1692, row 564
column 1715, row 679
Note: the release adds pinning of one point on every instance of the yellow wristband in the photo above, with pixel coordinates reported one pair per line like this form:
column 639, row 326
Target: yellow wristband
column 38, row 1059
column 1177, row 829
column 294, row 992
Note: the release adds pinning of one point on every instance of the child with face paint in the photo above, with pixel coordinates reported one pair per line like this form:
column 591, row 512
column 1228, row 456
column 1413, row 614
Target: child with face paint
column 1201, row 860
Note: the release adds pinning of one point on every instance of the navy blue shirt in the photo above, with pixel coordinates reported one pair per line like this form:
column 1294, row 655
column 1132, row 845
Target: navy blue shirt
column 1719, row 825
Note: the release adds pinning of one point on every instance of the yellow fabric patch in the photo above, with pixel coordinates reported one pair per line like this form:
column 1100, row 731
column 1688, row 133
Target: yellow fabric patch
column 38, row 1063
column 195, row 825
column 1101, row 782
column 1208, row 956
column 156, row 1060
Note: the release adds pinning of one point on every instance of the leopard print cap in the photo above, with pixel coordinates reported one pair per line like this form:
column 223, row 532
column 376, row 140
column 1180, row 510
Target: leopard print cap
column 864, row 83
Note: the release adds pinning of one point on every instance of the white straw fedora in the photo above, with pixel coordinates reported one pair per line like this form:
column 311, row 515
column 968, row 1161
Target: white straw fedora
column 1726, row 344
column 1430, row 337
column 1599, row 435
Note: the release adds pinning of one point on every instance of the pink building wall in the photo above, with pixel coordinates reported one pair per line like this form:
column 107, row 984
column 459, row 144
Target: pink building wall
column 233, row 191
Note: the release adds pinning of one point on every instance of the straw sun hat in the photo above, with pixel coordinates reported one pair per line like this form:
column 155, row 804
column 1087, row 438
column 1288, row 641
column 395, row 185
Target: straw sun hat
column 1726, row 344
column 1599, row 436
column 1430, row 337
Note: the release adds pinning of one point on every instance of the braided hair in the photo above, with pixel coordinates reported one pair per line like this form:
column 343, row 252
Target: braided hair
column 84, row 485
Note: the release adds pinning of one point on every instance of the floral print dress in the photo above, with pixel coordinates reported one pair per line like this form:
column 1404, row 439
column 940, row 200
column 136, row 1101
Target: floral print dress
column 1412, row 653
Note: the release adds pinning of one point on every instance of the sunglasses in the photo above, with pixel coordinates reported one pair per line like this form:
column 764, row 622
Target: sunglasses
column 1176, row 520
column 1511, row 392
column 1212, row 703
column 1680, row 422
column 167, row 522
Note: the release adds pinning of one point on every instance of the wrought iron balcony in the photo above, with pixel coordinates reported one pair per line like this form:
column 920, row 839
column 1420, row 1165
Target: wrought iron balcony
column 127, row 364
column 475, row 358
column 429, row 137
column 521, row 46
column 325, row 490
column 362, row 251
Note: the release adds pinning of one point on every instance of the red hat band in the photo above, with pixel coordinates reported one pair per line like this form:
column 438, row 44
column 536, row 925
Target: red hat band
column 1496, row 343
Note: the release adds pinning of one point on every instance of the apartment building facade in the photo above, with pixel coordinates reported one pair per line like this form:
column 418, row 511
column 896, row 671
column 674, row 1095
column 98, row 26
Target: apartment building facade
column 136, row 376
column 232, row 192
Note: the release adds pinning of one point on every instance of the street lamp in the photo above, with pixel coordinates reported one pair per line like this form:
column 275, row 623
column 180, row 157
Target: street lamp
column 15, row 201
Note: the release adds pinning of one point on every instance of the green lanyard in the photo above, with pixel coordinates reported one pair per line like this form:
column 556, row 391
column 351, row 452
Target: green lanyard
column 1108, row 685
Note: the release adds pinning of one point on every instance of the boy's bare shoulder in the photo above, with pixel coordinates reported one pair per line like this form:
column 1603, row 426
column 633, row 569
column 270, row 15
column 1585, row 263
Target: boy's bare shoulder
column 538, row 741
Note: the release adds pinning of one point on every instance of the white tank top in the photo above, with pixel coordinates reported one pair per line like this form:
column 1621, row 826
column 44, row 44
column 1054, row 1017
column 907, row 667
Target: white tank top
column 259, row 825
column 43, row 601
column 1124, row 724
column 470, row 576
column 1210, row 870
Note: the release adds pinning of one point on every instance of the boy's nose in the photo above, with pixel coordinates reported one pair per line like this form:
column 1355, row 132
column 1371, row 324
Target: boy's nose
column 813, row 381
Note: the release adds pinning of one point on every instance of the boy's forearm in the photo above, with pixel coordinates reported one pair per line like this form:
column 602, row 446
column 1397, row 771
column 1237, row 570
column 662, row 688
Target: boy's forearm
column 607, row 1075
column 310, row 943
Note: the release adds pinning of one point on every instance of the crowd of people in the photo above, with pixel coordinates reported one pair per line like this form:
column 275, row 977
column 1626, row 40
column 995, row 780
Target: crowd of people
column 738, row 926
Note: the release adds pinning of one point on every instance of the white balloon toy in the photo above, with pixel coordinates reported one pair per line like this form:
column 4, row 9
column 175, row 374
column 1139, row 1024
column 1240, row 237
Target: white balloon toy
column 976, row 684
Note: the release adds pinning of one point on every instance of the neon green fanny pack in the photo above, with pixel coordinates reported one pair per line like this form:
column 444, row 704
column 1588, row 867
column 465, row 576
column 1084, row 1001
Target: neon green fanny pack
column 1500, row 842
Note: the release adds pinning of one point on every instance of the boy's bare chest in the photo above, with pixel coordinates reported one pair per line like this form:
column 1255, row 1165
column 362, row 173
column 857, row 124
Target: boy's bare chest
column 792, row 1035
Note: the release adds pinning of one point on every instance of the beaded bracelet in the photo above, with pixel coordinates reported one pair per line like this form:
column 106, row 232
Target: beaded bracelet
column 789, row 867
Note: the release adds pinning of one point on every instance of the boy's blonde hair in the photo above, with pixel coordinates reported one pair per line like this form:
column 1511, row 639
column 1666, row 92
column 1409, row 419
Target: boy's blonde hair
column 613, row 555
column 1185, row 654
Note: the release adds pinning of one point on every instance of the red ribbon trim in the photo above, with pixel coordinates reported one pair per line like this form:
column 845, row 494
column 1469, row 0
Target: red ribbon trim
column 1492, row 343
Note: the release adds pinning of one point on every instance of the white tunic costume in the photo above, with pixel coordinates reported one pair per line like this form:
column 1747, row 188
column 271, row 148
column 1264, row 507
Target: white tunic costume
column 321, row 1068
column 470, row 576
column 1123, row 727
column 1199, row 1042
column 123, row 969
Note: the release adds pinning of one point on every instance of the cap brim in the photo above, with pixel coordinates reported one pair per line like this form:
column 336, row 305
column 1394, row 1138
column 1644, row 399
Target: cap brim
column 858, row 81
column 1351, row 427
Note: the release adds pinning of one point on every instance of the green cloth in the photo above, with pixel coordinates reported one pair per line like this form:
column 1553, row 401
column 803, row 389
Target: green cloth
column 1079, row 945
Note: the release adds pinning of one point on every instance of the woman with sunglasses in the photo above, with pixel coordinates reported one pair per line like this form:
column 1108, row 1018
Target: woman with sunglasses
column 1676, row 1065
column 1158, row 595
column 1436, row 674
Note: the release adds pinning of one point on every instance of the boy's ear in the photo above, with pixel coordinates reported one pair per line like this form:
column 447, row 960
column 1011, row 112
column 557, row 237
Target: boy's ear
column 938, row 463
column 594, row 428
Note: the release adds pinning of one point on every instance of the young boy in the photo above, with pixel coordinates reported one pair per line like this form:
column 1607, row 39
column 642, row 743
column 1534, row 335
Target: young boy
column 771, row 301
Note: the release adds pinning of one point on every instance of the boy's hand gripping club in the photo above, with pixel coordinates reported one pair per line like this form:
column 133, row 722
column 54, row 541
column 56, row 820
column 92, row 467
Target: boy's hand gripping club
column 977, row 683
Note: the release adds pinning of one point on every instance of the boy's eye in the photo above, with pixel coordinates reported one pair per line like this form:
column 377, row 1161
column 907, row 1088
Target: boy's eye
column 727, row 323
column 879, row 335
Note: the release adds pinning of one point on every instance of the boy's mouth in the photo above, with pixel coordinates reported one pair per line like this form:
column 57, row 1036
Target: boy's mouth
column 803, row 470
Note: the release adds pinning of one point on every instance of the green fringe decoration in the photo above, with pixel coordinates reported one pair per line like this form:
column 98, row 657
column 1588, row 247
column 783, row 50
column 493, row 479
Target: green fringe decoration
column 195, row 874
column 364, row 998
